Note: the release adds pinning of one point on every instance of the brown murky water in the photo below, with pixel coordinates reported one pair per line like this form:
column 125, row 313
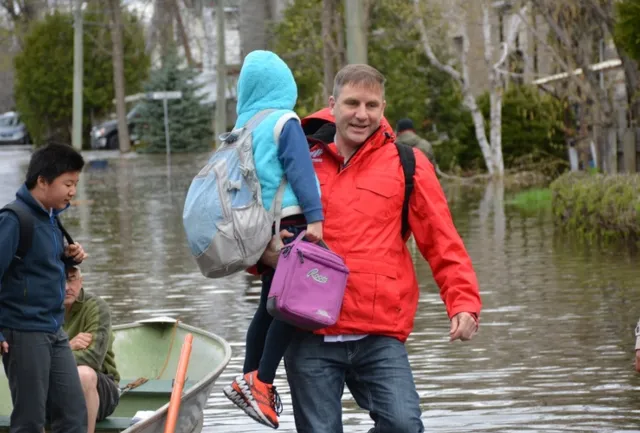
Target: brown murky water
column 555, row 351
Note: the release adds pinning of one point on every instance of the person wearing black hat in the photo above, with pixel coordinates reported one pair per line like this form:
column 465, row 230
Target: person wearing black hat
column 407, row 135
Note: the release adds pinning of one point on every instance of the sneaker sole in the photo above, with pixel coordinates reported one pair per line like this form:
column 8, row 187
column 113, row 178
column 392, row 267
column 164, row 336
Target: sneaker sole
column 244, row 386
column 241, row 402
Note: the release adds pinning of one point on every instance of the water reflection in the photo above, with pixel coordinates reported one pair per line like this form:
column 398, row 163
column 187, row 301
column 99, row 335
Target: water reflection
column 555, row 349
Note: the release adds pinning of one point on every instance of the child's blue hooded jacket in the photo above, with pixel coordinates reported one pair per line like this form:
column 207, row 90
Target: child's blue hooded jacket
column 279, row 144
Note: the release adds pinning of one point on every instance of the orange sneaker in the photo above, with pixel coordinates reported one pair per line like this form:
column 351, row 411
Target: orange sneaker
column 263, row 398
column 234, row 393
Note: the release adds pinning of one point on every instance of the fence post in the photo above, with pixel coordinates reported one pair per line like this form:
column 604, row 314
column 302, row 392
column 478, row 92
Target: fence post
column 629, row 150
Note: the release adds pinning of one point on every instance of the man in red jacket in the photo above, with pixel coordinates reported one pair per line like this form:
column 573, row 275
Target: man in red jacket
column 362, row 186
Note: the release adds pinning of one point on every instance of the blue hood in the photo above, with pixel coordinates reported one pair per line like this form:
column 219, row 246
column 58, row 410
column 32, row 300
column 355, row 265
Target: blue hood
column 265, row 82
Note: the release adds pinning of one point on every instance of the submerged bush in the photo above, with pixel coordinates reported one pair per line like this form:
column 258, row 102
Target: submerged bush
column 606, row 206
column 532, row 200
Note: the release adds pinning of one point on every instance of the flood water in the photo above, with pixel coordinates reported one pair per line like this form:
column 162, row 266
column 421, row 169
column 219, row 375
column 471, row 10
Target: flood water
column 555, row 348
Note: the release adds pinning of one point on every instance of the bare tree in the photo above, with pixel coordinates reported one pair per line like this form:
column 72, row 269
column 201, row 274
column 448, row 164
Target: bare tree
column 329, row 47
column 118, row 75
column 22, row 13
column 253, row 17
column 183, row 33
column 603, row 11
column 491, row 148
column 574, row 29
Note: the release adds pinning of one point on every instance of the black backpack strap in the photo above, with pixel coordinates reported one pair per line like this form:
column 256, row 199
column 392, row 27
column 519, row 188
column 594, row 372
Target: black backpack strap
column 408, row 162
column 64, row 231
column 25, row 221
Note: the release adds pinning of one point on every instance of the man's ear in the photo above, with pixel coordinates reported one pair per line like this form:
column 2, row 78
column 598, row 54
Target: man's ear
column 332, row 104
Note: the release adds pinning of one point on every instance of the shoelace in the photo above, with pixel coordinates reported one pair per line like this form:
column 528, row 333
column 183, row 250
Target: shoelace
column 277, row 403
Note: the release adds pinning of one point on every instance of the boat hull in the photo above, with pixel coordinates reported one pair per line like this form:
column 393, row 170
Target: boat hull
column 151, row 349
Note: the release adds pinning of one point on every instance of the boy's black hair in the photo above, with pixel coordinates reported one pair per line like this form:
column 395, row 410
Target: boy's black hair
column 52, row 161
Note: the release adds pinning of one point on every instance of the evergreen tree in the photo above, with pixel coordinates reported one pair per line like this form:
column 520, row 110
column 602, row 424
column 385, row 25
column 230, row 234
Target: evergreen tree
column 189, row 119
column 44, row 72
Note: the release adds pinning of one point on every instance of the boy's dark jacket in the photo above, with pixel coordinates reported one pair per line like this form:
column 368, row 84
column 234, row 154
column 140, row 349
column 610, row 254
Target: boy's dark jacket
column 32, row 291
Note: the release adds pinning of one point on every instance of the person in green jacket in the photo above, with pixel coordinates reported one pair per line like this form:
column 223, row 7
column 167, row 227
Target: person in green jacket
column 406, row 134
column 87, row 321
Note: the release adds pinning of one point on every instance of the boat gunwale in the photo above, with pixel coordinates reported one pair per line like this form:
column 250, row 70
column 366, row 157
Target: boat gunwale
column 202, row 383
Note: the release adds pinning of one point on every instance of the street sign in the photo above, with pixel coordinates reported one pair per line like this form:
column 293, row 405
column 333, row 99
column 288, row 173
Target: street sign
column 164, row 95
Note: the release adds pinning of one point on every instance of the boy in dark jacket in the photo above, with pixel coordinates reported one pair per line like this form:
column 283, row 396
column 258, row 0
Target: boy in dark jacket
column 37, row 358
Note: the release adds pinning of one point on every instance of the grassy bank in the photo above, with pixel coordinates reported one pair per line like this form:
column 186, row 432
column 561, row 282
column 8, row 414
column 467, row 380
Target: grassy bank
column 596, row 205
column 532, row 200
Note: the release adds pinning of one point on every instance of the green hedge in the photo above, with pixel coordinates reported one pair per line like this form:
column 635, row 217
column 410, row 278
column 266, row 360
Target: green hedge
column 604, row 206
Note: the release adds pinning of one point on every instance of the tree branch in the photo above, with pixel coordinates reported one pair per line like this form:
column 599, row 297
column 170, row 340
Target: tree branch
column 556, row 56
column 424, row 38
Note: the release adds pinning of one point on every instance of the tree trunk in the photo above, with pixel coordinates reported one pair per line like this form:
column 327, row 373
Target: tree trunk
column 496, row 131
column 183, row 34
column 328, row 54
column 356, row 32
column 118, row 75
column 165, row 29
column 208, row 63
column 481, row 135
column 495, row 98
column 253, row 16
column 338, row 29
column 463, row 79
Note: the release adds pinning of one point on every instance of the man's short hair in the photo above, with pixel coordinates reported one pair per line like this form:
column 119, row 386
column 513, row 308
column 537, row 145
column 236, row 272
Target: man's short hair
column 72, row 269
column 52, row 161
column 358, row 74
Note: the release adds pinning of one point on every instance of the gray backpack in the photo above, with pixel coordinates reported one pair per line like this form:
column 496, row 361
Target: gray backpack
column 226, row 224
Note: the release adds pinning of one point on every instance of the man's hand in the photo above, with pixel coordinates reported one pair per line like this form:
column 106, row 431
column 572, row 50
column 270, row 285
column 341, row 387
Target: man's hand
column 4, row 347
column 81, row 341
column 76, row 252
column 270, row 255
column 463, row 327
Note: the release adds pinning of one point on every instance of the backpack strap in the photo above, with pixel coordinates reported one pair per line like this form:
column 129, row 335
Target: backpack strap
column 251, row 124
column 257, row 119
column 25, row 223
column 64, row 231
column 276, row 204
column 408, row 162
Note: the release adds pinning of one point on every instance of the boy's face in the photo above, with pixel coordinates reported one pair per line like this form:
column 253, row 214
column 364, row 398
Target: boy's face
column 60, row 192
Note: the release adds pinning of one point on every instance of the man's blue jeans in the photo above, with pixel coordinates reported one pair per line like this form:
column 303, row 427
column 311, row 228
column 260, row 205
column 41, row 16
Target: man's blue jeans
column 376, row 369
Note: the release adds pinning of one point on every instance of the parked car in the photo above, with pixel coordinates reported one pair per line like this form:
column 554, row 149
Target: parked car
column 12, row 130
column 105, row 135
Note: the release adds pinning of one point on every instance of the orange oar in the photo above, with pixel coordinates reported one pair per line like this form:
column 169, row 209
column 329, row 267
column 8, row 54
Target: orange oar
column 178, row 385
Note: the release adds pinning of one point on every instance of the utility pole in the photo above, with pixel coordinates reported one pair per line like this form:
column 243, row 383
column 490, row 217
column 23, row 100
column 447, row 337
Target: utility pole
column 118, row 75
column 221, row 73
column 78, row 71
column 356, row 32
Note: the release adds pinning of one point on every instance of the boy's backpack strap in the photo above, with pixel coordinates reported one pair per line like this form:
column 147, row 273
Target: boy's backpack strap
column 25, row 222
column 64, row 231
column 408, row 162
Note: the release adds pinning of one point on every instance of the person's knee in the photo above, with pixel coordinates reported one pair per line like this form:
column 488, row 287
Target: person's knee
column 88, row 378
column 403, row 423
